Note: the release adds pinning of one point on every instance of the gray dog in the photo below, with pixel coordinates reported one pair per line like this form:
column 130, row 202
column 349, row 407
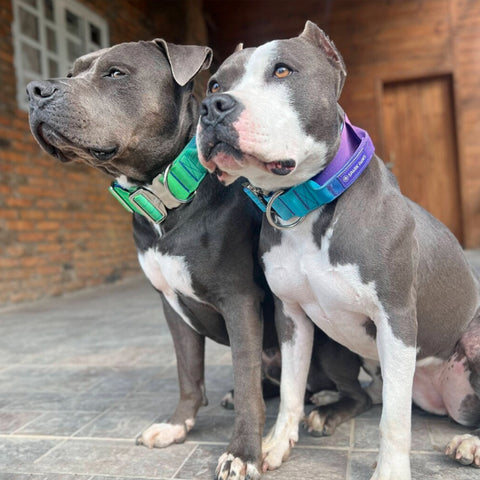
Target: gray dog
column 129, row 112
column 343, row 248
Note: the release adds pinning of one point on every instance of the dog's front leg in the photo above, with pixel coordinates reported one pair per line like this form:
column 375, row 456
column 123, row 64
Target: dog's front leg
column 242, row 459
column 190, row 354
column 295, row 333
column 397, row 354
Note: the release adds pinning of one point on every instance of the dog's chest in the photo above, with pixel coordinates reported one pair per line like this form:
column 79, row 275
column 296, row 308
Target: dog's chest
column 167, row 273
column 334, row 297
column 170, row 275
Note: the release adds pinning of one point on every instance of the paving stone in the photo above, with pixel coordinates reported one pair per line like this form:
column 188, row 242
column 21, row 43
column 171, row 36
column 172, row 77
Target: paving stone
column 12, row 421
column 212, row 429
column 367, row 433
column 161, row 405
column 41, row 476
column 113, row 458
column 20, row 454
column 442, row 430
column 31, row 379
column 57, row 423
column 53, row 401
column 114, row 424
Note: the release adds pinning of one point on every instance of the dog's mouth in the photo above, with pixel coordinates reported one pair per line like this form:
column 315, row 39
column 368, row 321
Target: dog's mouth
column 224, row 158
column 57, row 145
column 281, row 167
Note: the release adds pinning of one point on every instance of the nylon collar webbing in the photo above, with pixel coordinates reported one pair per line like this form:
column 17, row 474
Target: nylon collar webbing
column 173, row 187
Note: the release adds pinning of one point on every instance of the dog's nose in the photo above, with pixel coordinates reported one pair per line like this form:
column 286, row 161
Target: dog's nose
column 215, row 108
column 40, row 92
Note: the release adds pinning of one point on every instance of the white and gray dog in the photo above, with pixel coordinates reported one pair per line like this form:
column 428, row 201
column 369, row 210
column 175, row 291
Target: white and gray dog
column 371, row 268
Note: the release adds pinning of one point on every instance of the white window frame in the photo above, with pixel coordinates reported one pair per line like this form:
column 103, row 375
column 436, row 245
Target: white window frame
column 59, row 26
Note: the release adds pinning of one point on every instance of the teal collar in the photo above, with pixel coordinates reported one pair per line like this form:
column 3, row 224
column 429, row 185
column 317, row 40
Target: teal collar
column 173, row 187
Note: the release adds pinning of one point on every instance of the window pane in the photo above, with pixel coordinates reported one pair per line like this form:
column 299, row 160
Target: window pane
column 74, row 50
column 51, row 40
column 52, row 68
column 73, row 23
column 49, row 10
column 95, row 35
column 31, row 59
column 28, row 24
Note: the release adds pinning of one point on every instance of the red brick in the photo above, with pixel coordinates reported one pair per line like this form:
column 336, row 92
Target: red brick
column 20, row 225
column 45, row 225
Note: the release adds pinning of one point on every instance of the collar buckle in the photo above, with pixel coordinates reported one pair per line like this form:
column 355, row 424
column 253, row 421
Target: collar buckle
column 149, row 204
column 257, row 193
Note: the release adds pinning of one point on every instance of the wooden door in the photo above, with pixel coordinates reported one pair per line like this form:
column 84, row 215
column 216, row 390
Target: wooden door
column 420, row 145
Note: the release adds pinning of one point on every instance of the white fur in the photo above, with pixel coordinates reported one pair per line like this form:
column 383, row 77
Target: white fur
column 234, row 468
column 168, row 274
column 333, row 296
column 465, row 449
column 398, row 367
column 296, row 356
column 162, row 435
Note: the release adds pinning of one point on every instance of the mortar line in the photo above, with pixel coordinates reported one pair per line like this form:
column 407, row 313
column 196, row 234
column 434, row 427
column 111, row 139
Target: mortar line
column 350, row 450
column 185, row 461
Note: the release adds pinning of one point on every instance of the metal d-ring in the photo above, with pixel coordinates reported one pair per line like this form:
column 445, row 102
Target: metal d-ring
column 165, row 182
column 272, row 217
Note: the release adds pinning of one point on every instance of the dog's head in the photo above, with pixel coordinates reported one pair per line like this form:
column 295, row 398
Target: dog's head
column 122, row 109
column 271, row 112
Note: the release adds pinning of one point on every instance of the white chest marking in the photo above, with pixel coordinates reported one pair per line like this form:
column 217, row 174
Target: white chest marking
column 332, row 296
column 170, row 275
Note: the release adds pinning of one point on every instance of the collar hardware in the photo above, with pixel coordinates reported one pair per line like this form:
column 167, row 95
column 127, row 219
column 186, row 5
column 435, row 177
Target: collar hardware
column 149, row 204
column 273, row 218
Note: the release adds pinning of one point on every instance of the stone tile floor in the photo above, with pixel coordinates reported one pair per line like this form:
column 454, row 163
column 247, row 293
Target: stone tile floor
column 81, row 376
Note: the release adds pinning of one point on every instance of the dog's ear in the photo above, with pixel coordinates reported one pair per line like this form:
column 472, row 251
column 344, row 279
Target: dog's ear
column 185, row 60
column 314, row 34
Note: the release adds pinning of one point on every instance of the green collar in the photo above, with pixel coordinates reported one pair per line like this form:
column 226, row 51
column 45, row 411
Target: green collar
column 175, row 186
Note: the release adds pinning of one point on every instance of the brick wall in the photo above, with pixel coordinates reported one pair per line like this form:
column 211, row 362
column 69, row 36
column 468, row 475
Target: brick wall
column 60, row 229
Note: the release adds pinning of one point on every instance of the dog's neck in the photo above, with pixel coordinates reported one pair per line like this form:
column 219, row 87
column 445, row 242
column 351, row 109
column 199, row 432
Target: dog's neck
column 286, row 208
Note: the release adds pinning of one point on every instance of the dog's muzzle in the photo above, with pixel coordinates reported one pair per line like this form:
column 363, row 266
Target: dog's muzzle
column 215, row 108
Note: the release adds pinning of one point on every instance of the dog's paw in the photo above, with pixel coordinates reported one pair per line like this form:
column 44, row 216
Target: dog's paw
column 325, row 397
column 276, row 446
column 230, row 467
column 465, row 449
column 228, row 401
column 162, row 435
column 319, row 423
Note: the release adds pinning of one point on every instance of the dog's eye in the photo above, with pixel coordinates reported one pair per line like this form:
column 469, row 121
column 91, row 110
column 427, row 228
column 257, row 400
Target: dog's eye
column 115, row 73
column 214, row 87
column 282, row 71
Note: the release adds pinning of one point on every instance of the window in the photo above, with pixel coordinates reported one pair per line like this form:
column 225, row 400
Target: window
column 49, row 35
